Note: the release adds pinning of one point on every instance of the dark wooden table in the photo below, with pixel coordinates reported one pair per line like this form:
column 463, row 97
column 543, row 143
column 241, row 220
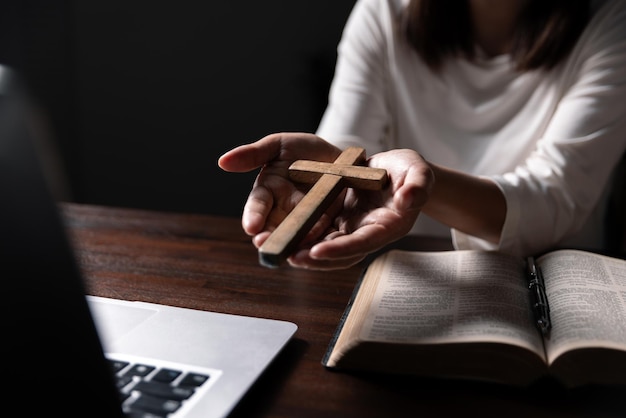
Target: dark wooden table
column 207, row 262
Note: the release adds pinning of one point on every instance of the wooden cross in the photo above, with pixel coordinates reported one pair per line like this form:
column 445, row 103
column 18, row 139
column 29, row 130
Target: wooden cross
column 330, row 179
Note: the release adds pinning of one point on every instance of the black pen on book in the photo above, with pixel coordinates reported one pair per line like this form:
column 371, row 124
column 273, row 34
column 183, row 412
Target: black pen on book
column 537, row 288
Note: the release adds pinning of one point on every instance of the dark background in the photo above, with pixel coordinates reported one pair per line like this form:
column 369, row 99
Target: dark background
column 144, row 95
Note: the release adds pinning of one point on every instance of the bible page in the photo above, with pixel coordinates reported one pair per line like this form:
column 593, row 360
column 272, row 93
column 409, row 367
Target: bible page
column 587, row 297
column 452, row 296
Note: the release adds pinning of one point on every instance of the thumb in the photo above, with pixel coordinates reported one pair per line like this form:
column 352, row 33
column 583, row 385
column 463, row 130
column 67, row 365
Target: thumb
column 410, row 198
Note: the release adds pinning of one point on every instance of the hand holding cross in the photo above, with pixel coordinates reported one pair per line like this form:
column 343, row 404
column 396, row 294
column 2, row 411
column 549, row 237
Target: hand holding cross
column 330, row 179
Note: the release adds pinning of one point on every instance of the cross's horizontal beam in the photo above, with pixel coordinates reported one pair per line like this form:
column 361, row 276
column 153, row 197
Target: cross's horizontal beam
column 354, row 176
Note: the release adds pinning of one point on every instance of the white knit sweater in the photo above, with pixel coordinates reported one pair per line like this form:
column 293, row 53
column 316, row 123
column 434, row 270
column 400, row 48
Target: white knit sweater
column 549, row 139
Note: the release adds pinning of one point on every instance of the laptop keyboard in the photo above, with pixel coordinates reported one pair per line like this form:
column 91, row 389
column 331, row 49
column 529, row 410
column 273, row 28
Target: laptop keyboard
column 152, row 390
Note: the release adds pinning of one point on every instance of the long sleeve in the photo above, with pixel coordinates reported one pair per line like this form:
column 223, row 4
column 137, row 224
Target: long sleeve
column 560, row 185
column 358, row 112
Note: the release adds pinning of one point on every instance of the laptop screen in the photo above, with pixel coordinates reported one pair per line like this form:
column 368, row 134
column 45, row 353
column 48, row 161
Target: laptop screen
column 50, row 345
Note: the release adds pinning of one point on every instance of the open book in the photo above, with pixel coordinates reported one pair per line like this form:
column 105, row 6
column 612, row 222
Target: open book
column 467, row 314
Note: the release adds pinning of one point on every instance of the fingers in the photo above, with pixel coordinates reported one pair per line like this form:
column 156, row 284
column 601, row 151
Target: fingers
column 341, row 252
column 325, row 255
column 249, row 157
column 282, row 146
column 255, row 211
column 411, row 175
column 304, row 261
column 412, row 195
column 363, row 241
column 309, row 259
column 420, row 179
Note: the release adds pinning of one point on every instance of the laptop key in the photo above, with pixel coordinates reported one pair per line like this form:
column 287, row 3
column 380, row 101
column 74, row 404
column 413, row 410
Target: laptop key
column 123, row 381
column 194, row 379
column 153, row 404
column 163, row 390
column 166, row 375
column 139, row 370
column 117, row 365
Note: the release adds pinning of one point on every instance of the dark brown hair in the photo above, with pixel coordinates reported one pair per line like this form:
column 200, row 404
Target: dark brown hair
column 546, row 31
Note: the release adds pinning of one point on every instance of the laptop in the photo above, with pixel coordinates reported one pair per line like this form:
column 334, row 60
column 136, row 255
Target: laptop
column 77, row 355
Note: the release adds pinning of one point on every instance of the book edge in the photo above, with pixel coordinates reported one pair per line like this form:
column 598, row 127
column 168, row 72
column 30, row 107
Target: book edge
column 344, row 316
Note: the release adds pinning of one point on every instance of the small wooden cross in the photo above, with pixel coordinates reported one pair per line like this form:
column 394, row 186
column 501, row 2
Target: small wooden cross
column 329, row 179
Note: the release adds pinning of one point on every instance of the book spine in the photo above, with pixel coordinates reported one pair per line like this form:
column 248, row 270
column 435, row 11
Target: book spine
column 344, row 316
